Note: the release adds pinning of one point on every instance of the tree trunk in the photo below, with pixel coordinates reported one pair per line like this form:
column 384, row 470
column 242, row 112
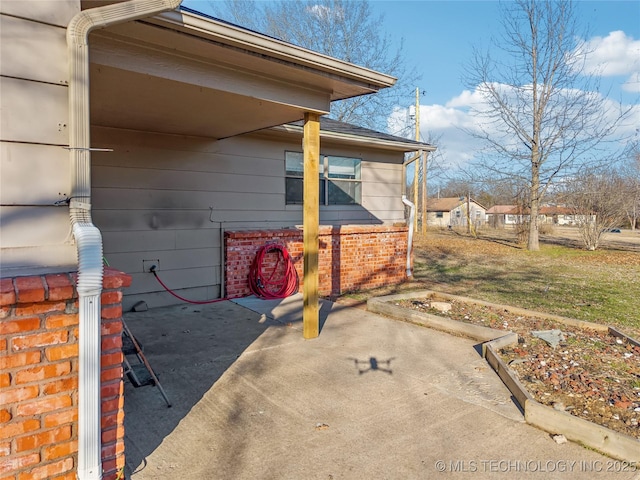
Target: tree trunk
column 534, row 202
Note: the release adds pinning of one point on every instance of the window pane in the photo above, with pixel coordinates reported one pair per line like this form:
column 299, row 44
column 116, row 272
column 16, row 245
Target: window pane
column 295, row 191
column 343, row 167
column 344, row 193
column 294, row 164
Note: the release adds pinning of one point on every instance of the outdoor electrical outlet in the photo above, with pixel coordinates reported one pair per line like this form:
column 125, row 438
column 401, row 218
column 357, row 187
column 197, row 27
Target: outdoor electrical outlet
column 147, row 265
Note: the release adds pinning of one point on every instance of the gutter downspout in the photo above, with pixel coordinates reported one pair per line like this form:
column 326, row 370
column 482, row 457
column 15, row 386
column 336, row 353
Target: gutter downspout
column 87, row 235
column 412, row 212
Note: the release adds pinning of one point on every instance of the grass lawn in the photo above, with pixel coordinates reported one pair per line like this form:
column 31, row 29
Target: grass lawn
column 601, row 286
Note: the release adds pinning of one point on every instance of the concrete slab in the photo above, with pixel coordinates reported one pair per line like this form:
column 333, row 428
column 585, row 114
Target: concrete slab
column 370, row 398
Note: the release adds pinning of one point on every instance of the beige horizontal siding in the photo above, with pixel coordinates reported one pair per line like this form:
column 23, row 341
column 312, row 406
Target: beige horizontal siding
column 21, row 261
column 116, row 198
column 171, row 259
column 186, row 278
column 182, row 179
column 120, row 220
column 34, row 226
column 32, row 50
column 18, row 164
column 54, row 12
column 33, row 112
column 34, row 168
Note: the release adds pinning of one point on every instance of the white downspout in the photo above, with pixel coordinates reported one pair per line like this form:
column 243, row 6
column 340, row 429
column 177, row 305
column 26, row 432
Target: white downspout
column 412, row 212
column 87, row 235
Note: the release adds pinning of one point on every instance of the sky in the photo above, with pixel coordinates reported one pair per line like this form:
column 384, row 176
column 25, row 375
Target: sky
column 438, row 38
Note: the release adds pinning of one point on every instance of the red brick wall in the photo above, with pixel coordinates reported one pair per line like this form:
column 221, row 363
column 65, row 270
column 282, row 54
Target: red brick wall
column 353, row 257
column 39, row 376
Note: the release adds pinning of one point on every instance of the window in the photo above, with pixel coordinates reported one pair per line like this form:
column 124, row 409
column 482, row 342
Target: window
column 340, row 180
column 439, row 214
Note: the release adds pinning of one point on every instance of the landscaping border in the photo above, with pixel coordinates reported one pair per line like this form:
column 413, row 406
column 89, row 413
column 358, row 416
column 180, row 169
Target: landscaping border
column 614, row 444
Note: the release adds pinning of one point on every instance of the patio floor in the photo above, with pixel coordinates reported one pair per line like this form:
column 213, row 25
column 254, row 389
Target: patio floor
column 370, row 398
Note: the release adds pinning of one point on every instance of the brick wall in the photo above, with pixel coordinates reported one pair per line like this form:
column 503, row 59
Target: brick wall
column 39, row 376
column 353, row 257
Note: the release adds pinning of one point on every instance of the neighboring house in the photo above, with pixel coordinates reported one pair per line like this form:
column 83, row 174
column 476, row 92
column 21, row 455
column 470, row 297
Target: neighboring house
column 502, row 215
column 140, row 134
column 454, row 212
column 509, row 215
column 559, row 215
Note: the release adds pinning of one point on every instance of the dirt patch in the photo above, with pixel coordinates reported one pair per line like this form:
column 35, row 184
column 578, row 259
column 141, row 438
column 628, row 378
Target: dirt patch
column 589, row 373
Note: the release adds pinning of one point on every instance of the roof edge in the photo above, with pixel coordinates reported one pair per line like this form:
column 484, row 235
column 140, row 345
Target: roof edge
column 408, row 146
column 203, row 26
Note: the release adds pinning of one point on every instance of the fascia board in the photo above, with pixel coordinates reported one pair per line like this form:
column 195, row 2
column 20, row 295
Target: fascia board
column 358, row 140
column 271, row 47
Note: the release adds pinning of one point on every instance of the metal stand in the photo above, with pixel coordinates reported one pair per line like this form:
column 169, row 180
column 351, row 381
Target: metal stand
column 139, row 373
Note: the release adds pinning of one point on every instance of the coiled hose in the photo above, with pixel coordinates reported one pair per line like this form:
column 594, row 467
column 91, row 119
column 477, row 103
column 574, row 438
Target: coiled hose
column 284, row 285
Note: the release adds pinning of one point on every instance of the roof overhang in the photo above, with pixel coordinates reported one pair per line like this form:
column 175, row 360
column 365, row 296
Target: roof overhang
column 184, row 73
column 398, row 145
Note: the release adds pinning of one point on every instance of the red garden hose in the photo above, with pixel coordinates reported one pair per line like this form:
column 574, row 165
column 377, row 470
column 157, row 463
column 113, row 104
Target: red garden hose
column 195, row 302
column 284, row 285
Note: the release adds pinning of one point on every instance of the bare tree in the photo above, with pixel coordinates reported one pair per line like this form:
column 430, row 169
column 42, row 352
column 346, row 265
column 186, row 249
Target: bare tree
column 595, row 199
column 540, row 114
column 345, row 29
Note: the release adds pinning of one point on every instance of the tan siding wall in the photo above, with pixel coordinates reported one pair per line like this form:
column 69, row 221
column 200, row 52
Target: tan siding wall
column 152, row 197
column 381, row 190
column 54, row 12
column 34, row 168
column 35, row 50
column 44, row 168
column 34, row 112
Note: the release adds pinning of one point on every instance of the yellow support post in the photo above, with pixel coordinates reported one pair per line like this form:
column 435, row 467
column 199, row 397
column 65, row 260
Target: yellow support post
column 311, row 225
column 424, row 191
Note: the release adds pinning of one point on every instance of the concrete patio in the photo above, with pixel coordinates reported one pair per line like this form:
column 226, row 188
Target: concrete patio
column 370, row 398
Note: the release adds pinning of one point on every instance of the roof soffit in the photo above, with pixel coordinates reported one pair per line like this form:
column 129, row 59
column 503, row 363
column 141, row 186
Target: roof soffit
column 186, row 74
column 120, row 52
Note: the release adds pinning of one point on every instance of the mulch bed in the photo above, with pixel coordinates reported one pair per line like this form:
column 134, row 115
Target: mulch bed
column 590, row 374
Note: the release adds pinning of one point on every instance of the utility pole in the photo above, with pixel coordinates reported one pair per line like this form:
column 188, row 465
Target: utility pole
column 417, row 114
column 469, row 212
column 416, row 183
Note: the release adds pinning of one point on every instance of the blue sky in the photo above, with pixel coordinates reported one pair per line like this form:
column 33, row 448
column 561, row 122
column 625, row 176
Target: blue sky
column 438, row 35
column 438, row 38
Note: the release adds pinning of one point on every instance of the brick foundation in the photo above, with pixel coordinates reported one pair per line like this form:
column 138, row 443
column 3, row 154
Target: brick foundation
column 353, row 257
column 39, row 376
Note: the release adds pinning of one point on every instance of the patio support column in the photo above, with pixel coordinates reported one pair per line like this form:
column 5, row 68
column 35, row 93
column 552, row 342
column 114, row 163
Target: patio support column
column 311, row 224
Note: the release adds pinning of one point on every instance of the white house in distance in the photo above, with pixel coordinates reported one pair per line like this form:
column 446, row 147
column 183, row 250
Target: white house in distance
column 454, row 212
column 137, row 133
column 510, row 215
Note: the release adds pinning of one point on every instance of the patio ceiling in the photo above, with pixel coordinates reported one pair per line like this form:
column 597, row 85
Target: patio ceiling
column 183, row 73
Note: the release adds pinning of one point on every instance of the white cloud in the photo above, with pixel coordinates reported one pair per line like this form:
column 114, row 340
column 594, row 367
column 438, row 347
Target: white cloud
column 466, row 99
column 632, row 84
column 451, row 122
column 617, row 54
